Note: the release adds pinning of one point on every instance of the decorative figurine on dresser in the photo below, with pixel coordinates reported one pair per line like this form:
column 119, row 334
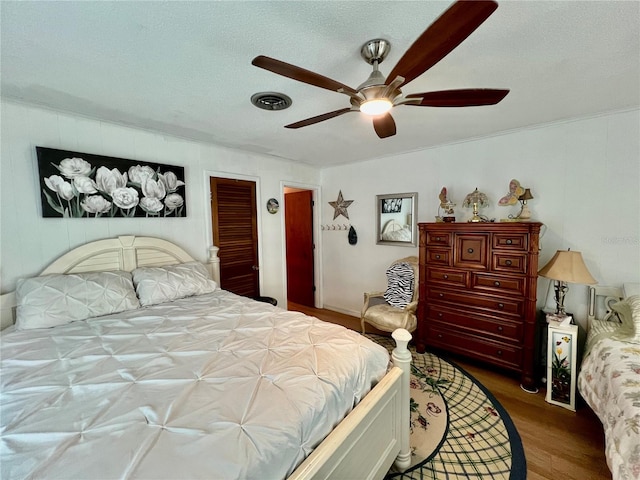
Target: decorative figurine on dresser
column 478, row 292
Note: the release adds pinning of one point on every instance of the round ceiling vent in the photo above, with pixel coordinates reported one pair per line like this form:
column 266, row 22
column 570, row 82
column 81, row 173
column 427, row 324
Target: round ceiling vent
column 271, row 100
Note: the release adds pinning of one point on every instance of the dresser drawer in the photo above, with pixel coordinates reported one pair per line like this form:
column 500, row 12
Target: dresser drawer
column 510, row 241
column 439, row 256
column 470, row 251
column 509, row 262
column 447, row 277
column 497, row 284
column 497, row 353
column 445, row 318
column 497, row 305
column 435, row 238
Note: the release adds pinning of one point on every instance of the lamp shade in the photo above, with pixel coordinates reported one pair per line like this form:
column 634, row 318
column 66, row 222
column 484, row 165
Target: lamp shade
column 567, row 266
column 479, row 198
column 526, row 195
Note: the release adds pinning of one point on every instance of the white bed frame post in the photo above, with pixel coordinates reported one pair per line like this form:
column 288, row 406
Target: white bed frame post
column 213, row 263
column 401, row 357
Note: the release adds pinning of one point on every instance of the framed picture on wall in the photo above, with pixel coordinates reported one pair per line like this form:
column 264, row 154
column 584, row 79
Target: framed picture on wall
column 84, row 185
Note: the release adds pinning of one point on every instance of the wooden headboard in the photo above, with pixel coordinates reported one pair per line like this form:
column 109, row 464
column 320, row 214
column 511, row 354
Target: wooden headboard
column 121, row 253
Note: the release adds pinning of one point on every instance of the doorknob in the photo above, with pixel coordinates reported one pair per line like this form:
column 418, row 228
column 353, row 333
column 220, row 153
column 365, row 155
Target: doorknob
column 255, row 267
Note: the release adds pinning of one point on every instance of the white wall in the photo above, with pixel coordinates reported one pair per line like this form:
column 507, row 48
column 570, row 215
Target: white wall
column 29, row 242
column 584, row 176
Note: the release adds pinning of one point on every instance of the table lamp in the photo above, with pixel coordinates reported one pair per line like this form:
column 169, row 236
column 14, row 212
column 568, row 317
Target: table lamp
column 475, row 200
column 566, row 267
column 525, row 214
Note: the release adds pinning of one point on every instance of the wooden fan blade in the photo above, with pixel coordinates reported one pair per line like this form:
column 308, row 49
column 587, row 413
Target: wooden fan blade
column 470, row 97
column 441, row 37
column 319, row 118
column 384, row 125
column 300, row 74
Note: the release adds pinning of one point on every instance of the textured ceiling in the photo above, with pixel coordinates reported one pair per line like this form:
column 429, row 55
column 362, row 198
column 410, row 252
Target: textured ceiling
column 184, row 68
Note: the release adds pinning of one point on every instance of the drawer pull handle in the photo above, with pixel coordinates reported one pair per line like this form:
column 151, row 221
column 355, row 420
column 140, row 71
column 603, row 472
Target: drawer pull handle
column 508, row 262
column 499, row 352
column 437, row 257
column 437, row 239
column 439, row 335
column 470, row 250
column 509, row 241
column 446, row 277
column 496, row 283
column 440, row 314
column 501, row 305
column 441, row 295
column 499, row 328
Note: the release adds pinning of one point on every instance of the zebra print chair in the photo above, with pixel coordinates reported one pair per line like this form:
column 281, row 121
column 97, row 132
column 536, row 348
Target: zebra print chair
column 395, row 307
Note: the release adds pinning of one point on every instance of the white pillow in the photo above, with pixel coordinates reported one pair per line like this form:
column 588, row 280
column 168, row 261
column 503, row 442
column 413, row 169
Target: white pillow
column 629, row 312
column 51, row 300
column 165, row 284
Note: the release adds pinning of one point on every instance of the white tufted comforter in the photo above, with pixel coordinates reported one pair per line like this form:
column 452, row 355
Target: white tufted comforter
column 214, row 386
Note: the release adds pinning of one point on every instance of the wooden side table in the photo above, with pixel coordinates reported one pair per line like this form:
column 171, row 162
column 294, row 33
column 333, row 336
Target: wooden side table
column 562, row 363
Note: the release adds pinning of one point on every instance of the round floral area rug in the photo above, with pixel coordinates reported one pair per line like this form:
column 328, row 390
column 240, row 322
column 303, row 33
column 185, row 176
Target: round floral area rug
column 458, row 429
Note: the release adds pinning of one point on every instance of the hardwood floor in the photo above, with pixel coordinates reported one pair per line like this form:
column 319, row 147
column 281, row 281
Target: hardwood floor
column 558, row 443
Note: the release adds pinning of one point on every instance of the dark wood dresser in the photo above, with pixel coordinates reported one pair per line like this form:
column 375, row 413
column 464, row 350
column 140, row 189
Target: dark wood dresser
column 478, row 292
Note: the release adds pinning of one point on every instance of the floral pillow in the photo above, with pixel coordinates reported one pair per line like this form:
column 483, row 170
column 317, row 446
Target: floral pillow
column 52, row 300
column 166, row 284
column 629, row 312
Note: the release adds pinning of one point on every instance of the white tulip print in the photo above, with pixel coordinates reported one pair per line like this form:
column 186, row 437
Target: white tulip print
column 82, row 187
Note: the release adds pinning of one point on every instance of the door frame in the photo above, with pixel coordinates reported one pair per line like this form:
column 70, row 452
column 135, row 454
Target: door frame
column 207, row 201
column 316, row 196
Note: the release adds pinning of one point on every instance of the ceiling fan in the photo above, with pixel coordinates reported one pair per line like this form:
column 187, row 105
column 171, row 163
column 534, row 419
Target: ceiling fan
column 377, row 95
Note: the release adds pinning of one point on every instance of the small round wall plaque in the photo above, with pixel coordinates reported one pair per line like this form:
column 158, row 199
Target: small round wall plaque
column 272, row 205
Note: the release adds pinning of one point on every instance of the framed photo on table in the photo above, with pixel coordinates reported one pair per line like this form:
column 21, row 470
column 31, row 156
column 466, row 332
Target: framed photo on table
column 562, row 358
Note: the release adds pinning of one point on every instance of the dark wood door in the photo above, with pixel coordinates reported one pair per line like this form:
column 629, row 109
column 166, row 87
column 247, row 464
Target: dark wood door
column 299, row 239
column 235, row 232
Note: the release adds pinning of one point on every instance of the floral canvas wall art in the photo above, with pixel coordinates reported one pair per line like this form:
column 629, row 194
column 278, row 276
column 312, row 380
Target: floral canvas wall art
column 74, row 184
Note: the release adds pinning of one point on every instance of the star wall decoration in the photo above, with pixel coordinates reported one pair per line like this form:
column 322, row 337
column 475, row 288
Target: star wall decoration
column 340, row 206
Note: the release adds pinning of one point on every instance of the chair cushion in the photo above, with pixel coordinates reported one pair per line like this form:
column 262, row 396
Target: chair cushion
column 400, row 280
column 388, row 318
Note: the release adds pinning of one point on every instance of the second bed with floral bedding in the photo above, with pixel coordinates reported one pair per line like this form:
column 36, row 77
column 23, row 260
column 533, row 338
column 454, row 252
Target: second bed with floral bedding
column 609, row 379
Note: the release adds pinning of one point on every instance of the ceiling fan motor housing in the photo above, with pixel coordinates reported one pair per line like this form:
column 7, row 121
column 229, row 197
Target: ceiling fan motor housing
column 374, row 52
column 373, row 92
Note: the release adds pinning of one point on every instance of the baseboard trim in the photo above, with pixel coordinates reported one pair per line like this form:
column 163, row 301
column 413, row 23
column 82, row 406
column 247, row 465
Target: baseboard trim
column 342, row 310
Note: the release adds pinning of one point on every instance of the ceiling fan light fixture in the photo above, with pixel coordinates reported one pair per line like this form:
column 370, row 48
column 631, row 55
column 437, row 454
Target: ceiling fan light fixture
column 377, row 106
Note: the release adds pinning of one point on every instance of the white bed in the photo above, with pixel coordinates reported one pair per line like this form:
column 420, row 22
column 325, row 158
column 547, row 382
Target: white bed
column 393, row 231
column 134, row 394
column 609, row 378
